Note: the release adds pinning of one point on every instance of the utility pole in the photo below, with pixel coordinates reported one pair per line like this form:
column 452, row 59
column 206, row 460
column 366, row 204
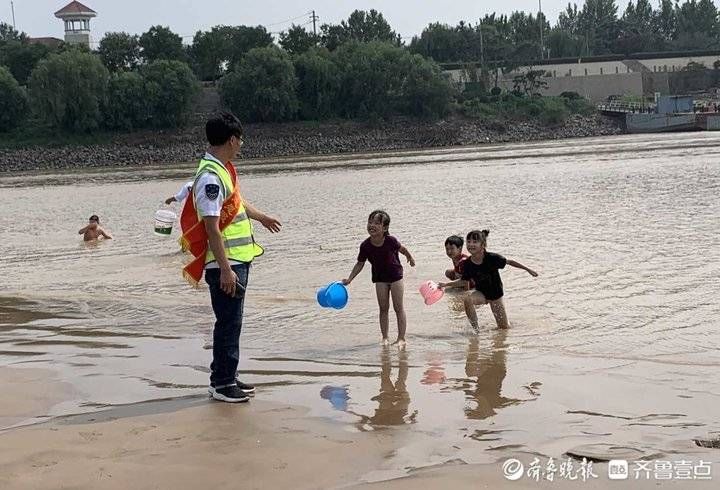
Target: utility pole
column 12, row 7
column 315, row 18
column 482, row 47
column 541, row 20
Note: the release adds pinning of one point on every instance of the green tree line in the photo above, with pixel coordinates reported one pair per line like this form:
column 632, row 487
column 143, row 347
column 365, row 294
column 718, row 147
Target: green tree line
column 357, row 68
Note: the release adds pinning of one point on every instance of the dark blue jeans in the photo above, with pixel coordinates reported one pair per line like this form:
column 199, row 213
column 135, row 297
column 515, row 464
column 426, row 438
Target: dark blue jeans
column 228, row 324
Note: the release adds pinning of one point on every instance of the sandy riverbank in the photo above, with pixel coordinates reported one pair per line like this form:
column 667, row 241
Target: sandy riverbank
column 288, row 139
column 193, row 442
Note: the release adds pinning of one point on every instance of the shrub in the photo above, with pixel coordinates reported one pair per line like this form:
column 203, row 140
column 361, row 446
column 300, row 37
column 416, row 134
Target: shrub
column 554, row 111
column 13, row 101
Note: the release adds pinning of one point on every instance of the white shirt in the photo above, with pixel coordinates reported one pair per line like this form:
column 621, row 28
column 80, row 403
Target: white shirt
column 209, row 200
column 184, row 191
column 209, row 191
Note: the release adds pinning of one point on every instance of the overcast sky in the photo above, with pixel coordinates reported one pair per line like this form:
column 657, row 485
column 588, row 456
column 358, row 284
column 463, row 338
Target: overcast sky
column 408, row 17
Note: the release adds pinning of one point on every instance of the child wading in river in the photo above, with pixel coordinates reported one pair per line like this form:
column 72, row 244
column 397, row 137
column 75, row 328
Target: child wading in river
column 382, row 250
column 483, row 268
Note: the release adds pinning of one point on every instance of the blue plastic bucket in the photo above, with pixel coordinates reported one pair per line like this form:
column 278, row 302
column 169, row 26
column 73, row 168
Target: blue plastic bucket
column 334, row 295
column 321, row 297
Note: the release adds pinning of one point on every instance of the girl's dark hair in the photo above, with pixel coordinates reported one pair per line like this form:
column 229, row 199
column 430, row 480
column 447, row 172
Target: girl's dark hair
column 478, row 236
column 221, row 127
column 382, row 216
column 455, row 240
column 94, row 217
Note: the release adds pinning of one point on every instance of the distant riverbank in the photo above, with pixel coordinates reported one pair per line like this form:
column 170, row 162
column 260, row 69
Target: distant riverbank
column 298, row 138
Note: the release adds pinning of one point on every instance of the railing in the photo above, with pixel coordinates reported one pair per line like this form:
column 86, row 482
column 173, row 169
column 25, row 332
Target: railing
column 625, row 107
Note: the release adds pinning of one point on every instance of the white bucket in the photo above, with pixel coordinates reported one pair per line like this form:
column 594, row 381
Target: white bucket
column 164, row 220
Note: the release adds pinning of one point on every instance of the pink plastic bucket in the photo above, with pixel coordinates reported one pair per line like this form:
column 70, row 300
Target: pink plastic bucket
column 431, row 293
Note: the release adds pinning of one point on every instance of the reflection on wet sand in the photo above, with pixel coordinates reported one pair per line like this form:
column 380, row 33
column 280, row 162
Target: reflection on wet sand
column 434, row 374
column 393, row 399
column 16, row 311
column 483, row 388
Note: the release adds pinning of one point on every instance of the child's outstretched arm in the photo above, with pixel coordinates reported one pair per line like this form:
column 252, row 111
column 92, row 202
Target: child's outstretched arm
column 104, row 234
column 355, row 271
column 407, row 254
column 520, row 266
column 457, row 283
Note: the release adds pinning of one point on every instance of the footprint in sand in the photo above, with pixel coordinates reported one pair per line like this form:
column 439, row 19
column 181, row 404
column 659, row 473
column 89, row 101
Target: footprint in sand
column 140, row 430
column 90, row 436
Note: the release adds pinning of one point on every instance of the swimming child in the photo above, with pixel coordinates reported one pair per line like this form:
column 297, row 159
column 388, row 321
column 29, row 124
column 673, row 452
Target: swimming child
column 454, row 250
column 483, row 268
column 93, row 231
column 181, row 194
column 382, row 250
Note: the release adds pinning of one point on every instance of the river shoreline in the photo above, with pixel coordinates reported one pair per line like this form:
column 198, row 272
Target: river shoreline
column 294, row 139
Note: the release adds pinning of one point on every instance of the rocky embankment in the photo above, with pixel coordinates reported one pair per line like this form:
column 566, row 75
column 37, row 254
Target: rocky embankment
column 287, row 139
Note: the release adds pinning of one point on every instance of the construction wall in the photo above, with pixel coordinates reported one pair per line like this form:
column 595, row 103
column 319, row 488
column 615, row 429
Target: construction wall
column 595, row 88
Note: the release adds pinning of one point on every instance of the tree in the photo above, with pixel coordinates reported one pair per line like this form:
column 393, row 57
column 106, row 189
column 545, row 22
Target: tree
column 297, row 40
column 636, row 33
column 67, row 90
column 599, row 24
column 318, row 84
column 697, row 25
column 13, row 101
column 426, row 92
column 370, row 26
column 21, row 58
column 127, row 105
column 119, row 51
column 562, row 44
column 380, row 79
column 332, row 36
column 160, row 43
column 172, row 88
column 569, row 20
column 439, row 42
column 665, row 22
column 360, row 26
column 8, row 33
column 245, row 38
column 211, row 51
column 262, row 86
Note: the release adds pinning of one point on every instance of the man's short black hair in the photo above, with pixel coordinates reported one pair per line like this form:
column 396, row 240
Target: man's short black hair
column 455, row 240
column 94, row 217
column 221, row 127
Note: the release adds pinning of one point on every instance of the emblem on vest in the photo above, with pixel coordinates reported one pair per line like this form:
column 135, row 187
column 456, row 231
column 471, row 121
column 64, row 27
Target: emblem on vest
column 212, row 191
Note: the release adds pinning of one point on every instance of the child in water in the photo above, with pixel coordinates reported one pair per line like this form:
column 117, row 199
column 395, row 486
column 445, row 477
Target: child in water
column 382, row 250
column 483, row 268
column 93, row 231
column 454, row 251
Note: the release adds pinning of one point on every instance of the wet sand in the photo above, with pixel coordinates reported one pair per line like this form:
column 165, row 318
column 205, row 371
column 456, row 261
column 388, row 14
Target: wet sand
column 193, row 442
